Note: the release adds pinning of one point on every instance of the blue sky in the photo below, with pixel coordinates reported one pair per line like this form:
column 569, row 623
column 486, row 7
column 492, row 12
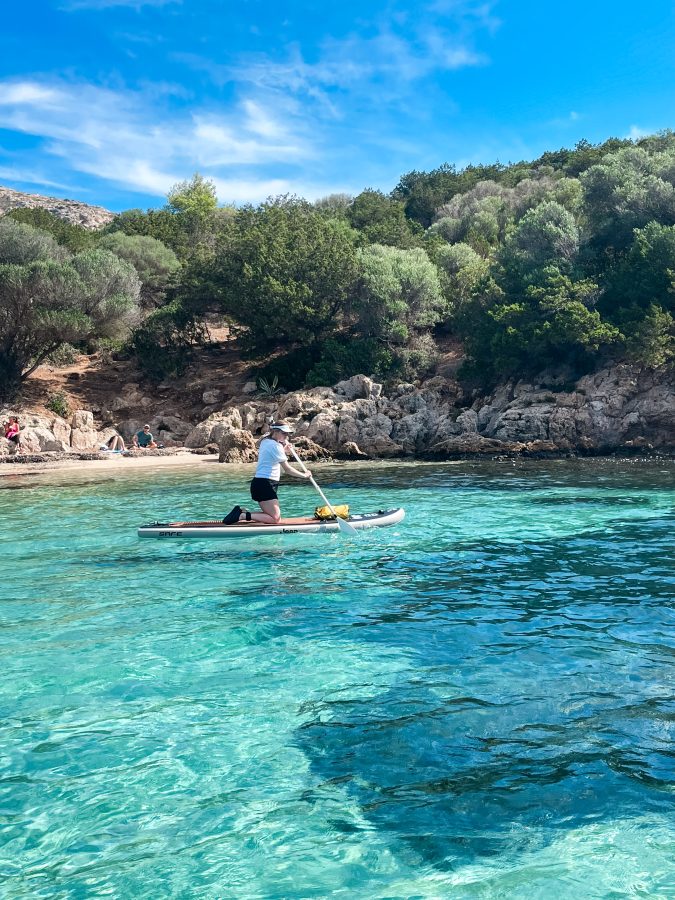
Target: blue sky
column 113, row 101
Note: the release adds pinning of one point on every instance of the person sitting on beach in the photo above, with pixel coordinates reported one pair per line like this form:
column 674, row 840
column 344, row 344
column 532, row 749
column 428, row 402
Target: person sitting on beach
column 271, row 460
column 115, row 443
column 13, row 433
column 144, row 440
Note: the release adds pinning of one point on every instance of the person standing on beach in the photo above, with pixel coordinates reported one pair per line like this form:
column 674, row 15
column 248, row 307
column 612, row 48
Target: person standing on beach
column 271, row 460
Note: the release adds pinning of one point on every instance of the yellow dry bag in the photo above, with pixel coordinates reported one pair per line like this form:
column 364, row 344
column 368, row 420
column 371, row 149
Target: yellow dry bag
column 323, row 512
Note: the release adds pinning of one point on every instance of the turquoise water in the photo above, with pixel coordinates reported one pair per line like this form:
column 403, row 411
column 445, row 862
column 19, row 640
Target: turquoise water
column 476, row 703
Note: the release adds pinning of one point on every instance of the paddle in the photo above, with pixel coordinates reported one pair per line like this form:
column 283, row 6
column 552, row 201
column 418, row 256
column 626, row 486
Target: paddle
column 344, row 527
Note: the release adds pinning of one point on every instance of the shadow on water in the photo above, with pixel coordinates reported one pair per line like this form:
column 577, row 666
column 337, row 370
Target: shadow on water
column 453, row 793
column 538, row 697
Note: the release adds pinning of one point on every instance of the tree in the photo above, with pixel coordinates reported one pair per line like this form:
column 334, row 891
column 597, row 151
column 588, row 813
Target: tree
column 154, row 262
column 45, row 303
column 582, row 157
column 423, row 193
column 164, row 343
column 461, row 271
column 398, row 293
column 196, row 197
column 552, row 322
column 334, row 206
column 284, row 272
column 73, row 237
column 645, row 275
column 381, row 220
column 652, row 341
column 21, row 244
column 627, row 190
column 546, row 236
column 188, row 223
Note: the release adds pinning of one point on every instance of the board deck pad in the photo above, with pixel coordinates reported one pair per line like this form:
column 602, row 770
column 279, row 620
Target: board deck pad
column 299, row 520
column 214, row 528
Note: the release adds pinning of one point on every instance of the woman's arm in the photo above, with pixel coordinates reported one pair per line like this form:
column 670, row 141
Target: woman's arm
column 287, row 467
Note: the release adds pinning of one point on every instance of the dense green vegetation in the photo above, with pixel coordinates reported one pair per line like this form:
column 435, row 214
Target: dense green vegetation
column 50, row 297
column 566, row 263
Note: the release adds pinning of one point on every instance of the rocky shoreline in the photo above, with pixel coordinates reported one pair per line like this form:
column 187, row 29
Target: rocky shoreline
column 623, row 410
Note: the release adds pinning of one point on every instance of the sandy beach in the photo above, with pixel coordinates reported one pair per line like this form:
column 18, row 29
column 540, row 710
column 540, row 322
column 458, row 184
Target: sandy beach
column 112, row 463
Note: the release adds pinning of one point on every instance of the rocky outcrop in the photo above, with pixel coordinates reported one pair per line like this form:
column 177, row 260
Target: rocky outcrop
column 72, row 211
column 604, row 411
column 620, row 408
column 237, row 446
column 617, row 408
column 52, row 434
column 83, row 435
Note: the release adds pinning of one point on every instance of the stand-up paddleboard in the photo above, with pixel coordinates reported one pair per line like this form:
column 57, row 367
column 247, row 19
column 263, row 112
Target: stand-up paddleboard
column 302, row 525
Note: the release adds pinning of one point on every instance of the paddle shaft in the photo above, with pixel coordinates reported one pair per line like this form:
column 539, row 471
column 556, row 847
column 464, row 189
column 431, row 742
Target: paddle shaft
column 342, row 525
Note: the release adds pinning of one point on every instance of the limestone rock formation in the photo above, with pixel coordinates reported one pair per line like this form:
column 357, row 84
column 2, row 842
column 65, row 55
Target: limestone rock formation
column 72, row 211
column 237, row 446
column 83, row 435
column 619, row 408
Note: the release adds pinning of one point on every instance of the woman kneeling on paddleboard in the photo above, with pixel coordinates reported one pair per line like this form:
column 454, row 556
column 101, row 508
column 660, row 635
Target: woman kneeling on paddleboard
column 271, row 460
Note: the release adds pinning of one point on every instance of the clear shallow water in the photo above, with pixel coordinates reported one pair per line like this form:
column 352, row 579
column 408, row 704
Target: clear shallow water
column 477, row 703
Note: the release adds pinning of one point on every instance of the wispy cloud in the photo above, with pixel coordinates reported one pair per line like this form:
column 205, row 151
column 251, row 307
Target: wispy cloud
column 635, row 132
column 353, row 64
column 356, row 93
column 380, row 61
column 26, row 176
column 120, row 136
column 570, row 119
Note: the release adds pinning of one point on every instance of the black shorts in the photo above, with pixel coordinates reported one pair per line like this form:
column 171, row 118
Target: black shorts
column 14, row 438
column 264, row 489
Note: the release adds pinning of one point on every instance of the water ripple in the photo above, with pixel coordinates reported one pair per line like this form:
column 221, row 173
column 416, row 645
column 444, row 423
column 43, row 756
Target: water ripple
column 477, row 703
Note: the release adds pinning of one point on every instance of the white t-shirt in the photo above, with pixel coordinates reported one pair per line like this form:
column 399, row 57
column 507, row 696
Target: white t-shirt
column 270, row 457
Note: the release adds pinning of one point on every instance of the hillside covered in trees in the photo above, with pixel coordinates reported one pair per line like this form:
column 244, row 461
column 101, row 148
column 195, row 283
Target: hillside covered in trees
column 565, row 263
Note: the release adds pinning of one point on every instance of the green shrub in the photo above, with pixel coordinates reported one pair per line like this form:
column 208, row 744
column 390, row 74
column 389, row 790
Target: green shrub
column 269, row 388
column 165, row 342
column 65, row 355
column 58, row 403
column 291, row 368
column 652, row 341
column 342, row 358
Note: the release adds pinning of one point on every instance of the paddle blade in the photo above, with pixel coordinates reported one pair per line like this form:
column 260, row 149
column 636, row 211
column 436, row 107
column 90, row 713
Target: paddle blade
column 346, row 528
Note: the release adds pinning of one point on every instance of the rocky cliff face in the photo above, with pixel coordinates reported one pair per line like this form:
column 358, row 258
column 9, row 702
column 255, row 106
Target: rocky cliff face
column 622, row 408
column 72, row 211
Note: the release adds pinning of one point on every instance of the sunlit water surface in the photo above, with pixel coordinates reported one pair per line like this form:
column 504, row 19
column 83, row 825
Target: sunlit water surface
column 475, row 703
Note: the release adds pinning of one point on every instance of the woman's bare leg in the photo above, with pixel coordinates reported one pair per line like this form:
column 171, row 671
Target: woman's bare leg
column 270, row 515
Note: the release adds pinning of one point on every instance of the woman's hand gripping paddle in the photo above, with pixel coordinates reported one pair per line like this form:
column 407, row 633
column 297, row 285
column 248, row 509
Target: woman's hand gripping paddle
column 344, row 526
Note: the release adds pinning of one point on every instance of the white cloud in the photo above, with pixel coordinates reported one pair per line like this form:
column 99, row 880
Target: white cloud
column 26, row 92
column 635, row 132
column 354, row 63
column 379, row 62
column 571, row 118
column 124, row 137
column 26, row 176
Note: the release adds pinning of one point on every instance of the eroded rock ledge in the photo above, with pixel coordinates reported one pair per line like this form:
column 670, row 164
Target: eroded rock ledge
column 623, row 408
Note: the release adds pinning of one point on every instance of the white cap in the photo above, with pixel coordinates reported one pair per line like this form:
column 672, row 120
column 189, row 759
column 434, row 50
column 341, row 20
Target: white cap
column 286, row 429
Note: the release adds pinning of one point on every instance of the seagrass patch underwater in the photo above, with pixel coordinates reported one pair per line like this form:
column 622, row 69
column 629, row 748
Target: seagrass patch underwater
column 477, row 702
